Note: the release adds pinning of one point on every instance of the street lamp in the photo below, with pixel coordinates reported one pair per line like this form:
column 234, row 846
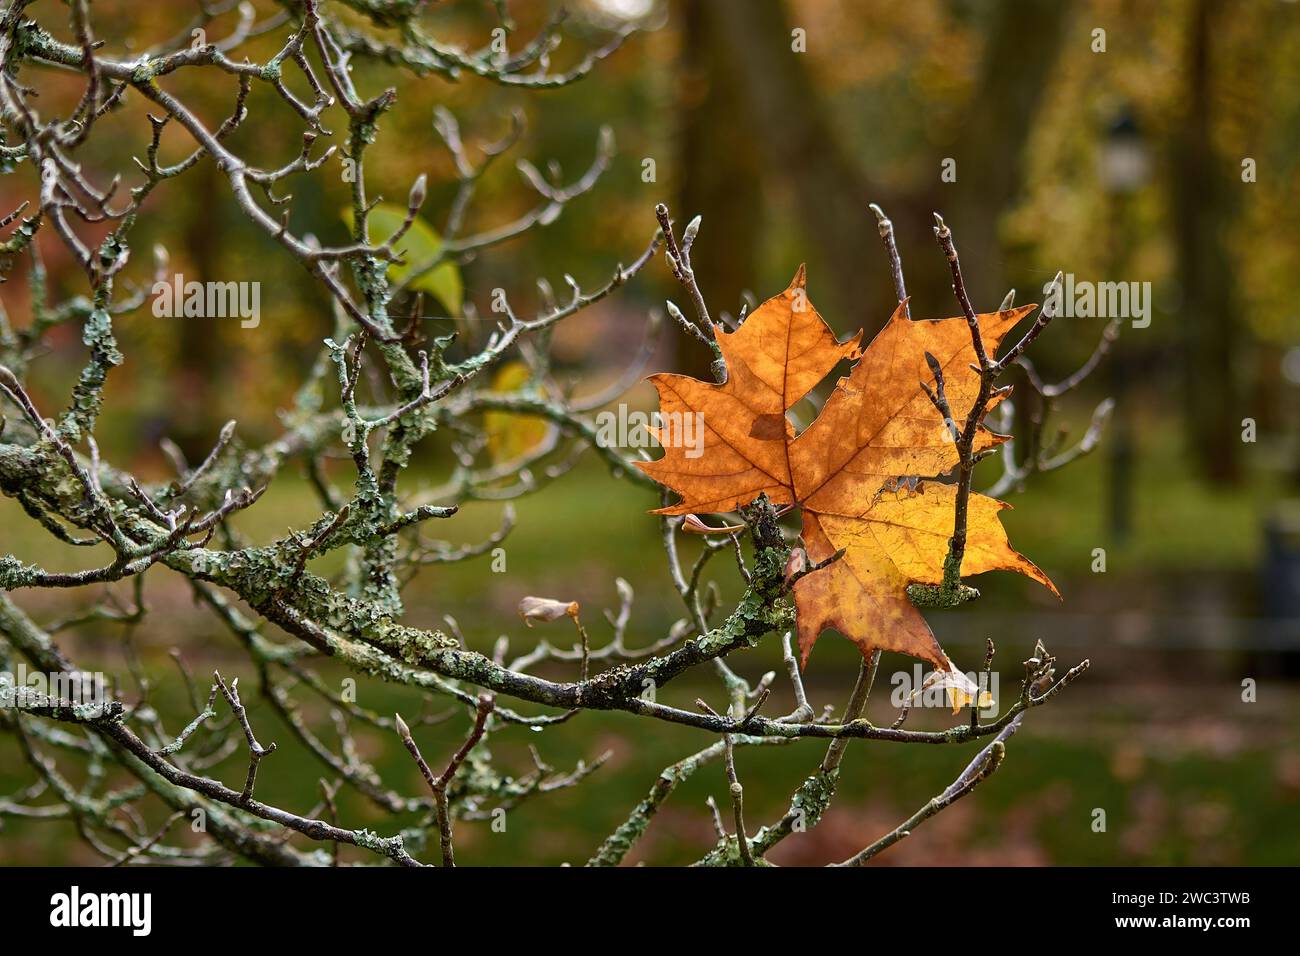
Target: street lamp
column 1125, row 164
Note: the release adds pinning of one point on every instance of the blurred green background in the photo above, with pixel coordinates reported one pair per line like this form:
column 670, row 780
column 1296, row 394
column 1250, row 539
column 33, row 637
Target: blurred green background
column 1117, row 165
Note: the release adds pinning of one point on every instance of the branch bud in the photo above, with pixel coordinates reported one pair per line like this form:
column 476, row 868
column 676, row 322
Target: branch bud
column 416, row 198
column 691, row 231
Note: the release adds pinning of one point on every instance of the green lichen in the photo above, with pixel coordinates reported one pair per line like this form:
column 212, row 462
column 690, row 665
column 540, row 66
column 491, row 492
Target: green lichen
column 807, row 806
column 940, row 595
column 146, row 70
column 87, row 395
column 412, row 644
column 14, row 574
column 814, row 795
column 727, row 853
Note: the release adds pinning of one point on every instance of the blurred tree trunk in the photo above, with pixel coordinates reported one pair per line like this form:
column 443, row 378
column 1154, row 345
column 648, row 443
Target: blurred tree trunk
column 800, row 145
column 719, row 176
column 1202, row 204
column 1021, row 47
column 792, row 137
column 197, row 359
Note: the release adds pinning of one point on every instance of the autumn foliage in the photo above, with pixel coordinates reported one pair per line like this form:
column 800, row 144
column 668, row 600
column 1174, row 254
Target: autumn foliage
column 866, row 475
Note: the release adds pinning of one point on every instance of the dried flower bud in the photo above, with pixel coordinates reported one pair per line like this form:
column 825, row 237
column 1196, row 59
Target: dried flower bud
column 545, row 609
column 692, row 524
column 960, row 690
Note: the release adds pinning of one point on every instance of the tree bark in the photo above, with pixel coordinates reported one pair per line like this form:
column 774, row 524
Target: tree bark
column 1209, row 319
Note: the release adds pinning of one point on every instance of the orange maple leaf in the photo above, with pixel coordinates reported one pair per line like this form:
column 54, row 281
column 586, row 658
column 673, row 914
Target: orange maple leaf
column 774, row 359
column 857, row 472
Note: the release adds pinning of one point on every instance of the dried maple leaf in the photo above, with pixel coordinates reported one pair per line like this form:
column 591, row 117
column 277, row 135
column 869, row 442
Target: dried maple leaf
column 774, row 359
column 857, row 472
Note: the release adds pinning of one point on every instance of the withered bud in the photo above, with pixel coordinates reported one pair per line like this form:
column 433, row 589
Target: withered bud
column 546, row 609
column 692, row 524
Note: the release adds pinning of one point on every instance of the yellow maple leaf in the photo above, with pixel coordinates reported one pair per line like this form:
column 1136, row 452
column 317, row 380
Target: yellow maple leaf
column 511, row 436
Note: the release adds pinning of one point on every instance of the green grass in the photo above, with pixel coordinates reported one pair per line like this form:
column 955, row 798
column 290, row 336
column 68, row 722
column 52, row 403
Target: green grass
column 1179, row 522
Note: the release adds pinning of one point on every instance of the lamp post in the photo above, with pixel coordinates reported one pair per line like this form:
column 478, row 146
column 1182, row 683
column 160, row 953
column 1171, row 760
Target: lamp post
column 1123, row 169
column 1125, row 163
